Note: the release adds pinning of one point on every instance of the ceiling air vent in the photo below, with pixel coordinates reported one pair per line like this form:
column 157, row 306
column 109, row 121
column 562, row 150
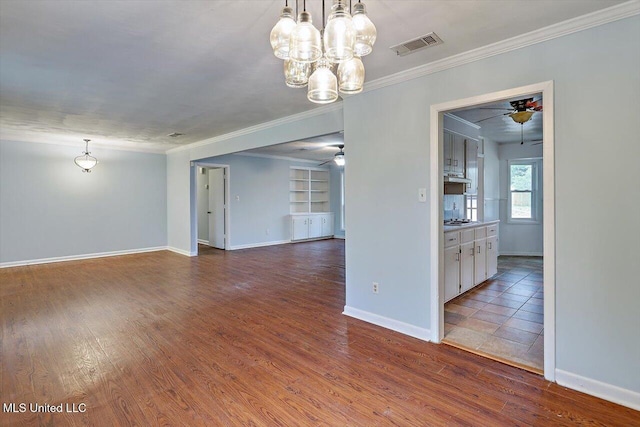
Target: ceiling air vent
column 415, row 45
column 175, row 134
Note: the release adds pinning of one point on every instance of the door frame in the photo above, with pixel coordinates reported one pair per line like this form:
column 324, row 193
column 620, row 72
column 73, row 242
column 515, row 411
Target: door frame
column 227, row 214
column 437, row 193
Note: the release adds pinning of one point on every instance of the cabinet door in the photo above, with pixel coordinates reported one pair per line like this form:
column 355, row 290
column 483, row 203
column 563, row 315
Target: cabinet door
column 480, row 261
column 315, row 226
column 467, row 252
column 299, row 227
column 492, row 256
column 446, row 152
column 451, row 272
column 458, row 148
column 327, row 225
column 471, row 166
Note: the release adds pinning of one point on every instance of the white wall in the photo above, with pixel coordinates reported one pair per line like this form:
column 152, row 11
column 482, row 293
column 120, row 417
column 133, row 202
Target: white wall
column 518, row 238
column 387, row 132
column 49, row 208
column 335, row 199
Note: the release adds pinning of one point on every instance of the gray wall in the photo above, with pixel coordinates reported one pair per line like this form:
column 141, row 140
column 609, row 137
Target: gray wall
column 49, row 208
column 519, row 239
column 597, row 269
column 491, row 181
column 335, row 199
column 202, row 179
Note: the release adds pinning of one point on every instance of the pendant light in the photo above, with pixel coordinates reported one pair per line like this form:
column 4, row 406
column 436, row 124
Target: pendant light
column 86, row 162
column 325, row 61
column 281, row 33
column 296, row 73
column 323, row 84
column 366, row 32
column 351, row 76
column 339, row 35
column 338, row 158
column 305, row 43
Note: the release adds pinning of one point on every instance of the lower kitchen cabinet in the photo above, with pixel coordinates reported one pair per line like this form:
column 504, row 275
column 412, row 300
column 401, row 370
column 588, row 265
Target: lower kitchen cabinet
column 311, row 226
column 470, row 258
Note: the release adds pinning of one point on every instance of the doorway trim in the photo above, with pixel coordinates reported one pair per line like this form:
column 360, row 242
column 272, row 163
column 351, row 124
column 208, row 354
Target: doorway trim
column 227, row 192
column 436, row 226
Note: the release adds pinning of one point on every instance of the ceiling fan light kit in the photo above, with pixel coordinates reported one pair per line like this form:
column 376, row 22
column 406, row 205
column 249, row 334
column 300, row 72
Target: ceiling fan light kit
column 310, row 55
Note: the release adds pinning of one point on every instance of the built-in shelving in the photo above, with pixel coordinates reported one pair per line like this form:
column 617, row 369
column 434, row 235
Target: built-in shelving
column 308, row 190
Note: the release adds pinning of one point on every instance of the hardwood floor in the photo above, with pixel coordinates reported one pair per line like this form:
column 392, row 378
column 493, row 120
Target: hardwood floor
column 252, row 337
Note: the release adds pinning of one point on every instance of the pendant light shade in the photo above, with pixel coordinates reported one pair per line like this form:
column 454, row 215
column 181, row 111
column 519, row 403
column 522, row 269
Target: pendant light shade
column 351, row 76
column 281, row 33
column 305, row 44
column 366, row 32
column 340, row 34
column 323, row 84
column 86, row 162
column 296, row 73
column 339, row 159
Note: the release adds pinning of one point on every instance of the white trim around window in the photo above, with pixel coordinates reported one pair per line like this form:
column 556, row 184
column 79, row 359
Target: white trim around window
column 534, row 214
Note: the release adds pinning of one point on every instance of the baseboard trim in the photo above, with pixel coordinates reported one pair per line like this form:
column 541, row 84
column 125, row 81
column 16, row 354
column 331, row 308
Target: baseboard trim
column 203, row 242
column 181, row 251
column 259, row 245
column 385, row 322
column 79, row 257
column 521, row 253
column 612, row 393
column 339, row 237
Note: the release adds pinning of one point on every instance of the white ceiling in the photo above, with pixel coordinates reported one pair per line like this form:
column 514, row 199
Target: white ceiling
column 319, row 149
column 128, row 73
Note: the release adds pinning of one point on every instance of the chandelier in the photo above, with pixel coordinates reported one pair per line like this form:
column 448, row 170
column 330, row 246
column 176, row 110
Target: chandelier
column 311, row 57
column 86, row 161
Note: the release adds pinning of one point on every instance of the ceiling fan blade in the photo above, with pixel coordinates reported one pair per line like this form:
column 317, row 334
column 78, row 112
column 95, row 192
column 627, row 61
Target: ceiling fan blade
column 493, row 117
column 324, row 163
column 494, row 108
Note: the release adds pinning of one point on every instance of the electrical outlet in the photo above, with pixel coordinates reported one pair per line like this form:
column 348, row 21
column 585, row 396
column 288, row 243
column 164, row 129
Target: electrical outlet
column 376, row 285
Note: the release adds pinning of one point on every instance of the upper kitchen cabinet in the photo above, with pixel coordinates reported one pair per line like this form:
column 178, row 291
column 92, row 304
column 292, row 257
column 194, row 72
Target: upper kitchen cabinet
column 454, row 151
column 471, row 165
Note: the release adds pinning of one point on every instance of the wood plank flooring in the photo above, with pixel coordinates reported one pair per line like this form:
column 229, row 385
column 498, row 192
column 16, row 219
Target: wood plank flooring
column 253, row 338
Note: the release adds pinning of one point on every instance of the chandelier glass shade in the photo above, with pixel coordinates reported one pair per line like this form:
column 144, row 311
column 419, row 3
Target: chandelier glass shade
column 305, row 44
column 86, row 162
column 281, row 33
column 339, row 35
column 309, row 54
column 323, row 84
column 339, row 158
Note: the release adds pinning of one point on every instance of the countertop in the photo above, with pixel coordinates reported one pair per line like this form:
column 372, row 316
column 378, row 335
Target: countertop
column 469, row 225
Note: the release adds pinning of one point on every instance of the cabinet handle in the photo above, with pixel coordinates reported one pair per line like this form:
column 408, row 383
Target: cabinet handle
column 489, row 245
column 478, row 249
column 473, row 252
column 457, row 257
column 455, row 163
column 310, row 221
column 449, row 162
column 452, row 239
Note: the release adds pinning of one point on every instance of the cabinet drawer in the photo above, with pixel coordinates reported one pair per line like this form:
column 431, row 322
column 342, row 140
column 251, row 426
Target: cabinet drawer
column 492, row 230
column 467, row 236
column 481, row 232
column 451, row 239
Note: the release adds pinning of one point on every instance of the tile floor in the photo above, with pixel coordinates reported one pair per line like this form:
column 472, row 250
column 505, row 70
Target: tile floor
column 503, row 316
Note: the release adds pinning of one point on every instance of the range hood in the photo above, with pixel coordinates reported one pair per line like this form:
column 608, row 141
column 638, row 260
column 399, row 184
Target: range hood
column 456, row 179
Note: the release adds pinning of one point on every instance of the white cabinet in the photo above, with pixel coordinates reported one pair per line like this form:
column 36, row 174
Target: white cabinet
column 311, row 226
column 470, row 258
column 471, row 169
column 453, row 154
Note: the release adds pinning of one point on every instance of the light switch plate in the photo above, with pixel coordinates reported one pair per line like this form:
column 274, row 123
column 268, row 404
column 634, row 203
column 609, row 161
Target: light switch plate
column 422, row 195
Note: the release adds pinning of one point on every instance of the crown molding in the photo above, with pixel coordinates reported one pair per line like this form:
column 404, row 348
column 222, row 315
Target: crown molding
column 463, row 121
column 574, row 25
column 275, row 157
column 262, row 126
column 80, row 145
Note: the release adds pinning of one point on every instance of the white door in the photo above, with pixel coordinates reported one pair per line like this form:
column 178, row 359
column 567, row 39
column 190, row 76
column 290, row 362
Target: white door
column 216, row 208
column 299, row 227
column 467, row 252
column 315, row 226
column 481, row 261
column 451, row 272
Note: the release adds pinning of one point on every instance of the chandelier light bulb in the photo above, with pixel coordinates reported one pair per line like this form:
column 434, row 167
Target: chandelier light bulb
column 340, row 34
column 305, row 43
column 281, row 33
column 351, row 76
column 339, row 159
column 366, row 32
column 323, row 84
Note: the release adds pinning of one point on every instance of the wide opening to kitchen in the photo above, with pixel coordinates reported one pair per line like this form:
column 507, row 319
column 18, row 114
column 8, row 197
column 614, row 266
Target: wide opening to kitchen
column 493, row 230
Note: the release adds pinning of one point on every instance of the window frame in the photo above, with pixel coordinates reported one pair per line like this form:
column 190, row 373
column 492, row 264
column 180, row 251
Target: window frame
column 536, row 164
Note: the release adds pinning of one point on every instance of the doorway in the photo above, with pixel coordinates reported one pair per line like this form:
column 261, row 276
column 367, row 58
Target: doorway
column 437, row 215
column 212, row 206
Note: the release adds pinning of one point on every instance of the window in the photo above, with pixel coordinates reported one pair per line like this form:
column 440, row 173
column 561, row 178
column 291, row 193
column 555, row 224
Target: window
column 472, row 208
column 523, row 180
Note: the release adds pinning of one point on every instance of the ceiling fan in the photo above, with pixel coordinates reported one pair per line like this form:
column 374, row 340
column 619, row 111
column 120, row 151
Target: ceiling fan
column 338, row 157
column 521, row 112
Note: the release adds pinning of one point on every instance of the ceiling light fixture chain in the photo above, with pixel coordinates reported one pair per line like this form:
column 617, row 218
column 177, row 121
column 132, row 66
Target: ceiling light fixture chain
column 309, row 55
